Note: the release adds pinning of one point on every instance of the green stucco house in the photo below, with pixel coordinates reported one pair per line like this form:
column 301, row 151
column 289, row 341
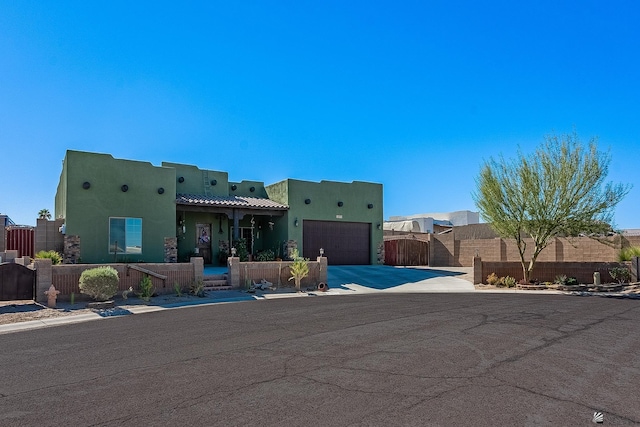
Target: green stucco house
column 117, row 210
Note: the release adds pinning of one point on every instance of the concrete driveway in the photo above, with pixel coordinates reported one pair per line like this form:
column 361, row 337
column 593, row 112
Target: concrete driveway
column 384, row 278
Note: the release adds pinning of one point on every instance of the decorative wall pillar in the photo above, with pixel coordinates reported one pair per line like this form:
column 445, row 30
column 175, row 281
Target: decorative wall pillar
column 477, row 270
column 323, row 269
column 171, row 249
column 44, row 277
column 381, row 253
column 198, row 268
column 233, row 265
column 290, row 246
column 71, row 250
column 635, row 269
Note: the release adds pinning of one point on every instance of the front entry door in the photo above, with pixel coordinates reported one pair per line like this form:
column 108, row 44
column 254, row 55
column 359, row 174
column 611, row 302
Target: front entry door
column 203, row 242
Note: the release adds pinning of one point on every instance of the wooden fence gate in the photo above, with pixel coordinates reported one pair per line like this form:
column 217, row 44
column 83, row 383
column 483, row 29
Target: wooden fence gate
column 406, row 252
column 17, row 282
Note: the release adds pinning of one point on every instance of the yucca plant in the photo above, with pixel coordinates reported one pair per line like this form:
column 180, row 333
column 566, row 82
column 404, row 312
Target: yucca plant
column 299, row 269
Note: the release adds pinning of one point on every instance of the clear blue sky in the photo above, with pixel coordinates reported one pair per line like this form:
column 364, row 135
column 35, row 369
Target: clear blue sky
column 413, row 95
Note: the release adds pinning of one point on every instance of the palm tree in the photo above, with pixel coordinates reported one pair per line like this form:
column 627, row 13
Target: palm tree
column 44, row 214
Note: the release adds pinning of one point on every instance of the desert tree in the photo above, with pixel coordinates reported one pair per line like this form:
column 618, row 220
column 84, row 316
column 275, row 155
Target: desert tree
column 559, row 190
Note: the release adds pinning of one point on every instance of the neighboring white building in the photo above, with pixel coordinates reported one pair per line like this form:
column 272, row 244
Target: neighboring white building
column 426, row 221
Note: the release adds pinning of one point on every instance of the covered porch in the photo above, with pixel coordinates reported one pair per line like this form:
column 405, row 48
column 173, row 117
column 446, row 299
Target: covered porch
column 209, row 226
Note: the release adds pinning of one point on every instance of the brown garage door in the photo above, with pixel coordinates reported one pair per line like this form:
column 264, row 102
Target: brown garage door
column 344, row 243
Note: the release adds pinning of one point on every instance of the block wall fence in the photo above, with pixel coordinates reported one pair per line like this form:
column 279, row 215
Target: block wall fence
column 547, row 271
column 276, row 272
column 446, row 251
column 65, row 277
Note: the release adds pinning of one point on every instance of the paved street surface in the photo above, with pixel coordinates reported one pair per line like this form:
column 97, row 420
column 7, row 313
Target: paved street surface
column 381, row 359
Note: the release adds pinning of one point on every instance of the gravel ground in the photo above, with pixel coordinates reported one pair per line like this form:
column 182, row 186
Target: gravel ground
column 26, row 310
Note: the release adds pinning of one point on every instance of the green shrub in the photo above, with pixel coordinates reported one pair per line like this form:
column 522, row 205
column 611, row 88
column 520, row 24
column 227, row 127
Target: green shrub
column 571, row 281
column 99, row 283
column 620, row 274
column 146, row 288
column 493, row 279
column 509, row 281
column 627, row 254
column 561, row 279
column 267, row 255
column 241, row 249
column 55, row 257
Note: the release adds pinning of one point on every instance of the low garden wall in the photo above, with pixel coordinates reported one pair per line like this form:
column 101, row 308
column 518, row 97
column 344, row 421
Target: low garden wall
column 547, row 271
column 276, row 272
column 65, row 277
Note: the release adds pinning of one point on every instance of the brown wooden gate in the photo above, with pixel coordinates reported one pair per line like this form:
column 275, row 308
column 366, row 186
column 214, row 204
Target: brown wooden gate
column 17, row 282
column 406, row 252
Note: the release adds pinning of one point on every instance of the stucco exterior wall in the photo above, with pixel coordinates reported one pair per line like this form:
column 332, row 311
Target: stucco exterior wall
column 199, row 181
column 90, row 191
column 323, row 205
column 87, row 211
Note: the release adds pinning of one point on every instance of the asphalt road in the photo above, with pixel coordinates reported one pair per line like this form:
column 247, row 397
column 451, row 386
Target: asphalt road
column 399, row 359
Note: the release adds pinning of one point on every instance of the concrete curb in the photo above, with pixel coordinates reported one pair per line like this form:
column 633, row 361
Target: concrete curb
column 54, row 321
column 350, row 289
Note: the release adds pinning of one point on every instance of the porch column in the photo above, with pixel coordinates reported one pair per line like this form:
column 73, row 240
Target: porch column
column 236, row 225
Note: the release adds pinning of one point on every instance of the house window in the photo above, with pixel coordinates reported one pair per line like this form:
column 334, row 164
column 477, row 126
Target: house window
column 125, row 235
